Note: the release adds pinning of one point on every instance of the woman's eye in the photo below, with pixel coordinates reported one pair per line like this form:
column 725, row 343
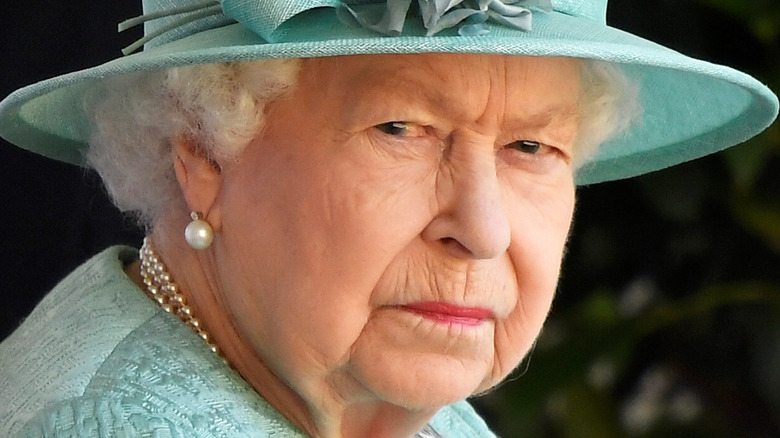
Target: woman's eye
column 526, row 146
column 403, row 129
column 394, row 128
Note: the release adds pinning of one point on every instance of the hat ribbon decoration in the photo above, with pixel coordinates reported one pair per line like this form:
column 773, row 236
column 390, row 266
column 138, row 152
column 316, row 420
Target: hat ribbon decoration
column 266, row 17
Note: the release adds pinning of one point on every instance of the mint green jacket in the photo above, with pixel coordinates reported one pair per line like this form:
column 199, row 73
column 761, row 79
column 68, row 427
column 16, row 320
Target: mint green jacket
column 97, row 358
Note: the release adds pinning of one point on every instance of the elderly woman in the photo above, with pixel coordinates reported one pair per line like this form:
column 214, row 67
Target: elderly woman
column 356, row 211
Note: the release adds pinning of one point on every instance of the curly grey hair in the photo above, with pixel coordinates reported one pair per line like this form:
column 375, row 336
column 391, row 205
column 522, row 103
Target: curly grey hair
column 221, row 108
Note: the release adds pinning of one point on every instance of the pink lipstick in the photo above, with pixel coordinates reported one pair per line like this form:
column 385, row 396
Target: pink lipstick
column 449, row 313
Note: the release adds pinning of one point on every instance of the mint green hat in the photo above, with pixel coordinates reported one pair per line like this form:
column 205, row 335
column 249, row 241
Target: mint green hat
column 691, row 108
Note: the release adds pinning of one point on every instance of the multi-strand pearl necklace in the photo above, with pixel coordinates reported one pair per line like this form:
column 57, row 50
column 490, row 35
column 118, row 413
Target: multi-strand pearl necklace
column 161, row 288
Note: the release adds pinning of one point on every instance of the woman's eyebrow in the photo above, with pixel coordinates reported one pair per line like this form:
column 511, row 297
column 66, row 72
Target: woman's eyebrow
column 548, row 115
column 404, row 91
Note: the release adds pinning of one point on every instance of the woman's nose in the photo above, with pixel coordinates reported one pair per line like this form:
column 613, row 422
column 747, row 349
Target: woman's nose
column 471, row 219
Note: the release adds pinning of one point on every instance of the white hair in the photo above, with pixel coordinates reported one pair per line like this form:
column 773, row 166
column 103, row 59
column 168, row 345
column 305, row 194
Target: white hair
column 608, row 104
column 221, row 108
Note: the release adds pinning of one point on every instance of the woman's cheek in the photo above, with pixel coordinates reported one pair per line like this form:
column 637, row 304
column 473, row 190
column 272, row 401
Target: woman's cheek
column 536, row 258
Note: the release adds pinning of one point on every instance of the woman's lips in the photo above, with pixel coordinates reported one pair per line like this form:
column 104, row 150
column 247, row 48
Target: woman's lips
column 449, row 313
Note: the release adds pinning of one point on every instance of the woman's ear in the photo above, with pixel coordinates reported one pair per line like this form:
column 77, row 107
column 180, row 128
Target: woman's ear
column 199, row 178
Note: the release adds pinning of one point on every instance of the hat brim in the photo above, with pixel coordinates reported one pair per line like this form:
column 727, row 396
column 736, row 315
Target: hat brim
column 690, row 108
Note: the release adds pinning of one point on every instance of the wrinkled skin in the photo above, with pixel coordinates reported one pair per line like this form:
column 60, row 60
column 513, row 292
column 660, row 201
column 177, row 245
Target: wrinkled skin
column 337, row 223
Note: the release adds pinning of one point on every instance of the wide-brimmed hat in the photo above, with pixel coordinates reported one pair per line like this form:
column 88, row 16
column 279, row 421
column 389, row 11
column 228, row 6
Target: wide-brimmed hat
column 690, row 108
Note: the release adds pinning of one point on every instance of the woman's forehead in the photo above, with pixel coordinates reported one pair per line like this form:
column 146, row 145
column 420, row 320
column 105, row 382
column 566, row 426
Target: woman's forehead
column 449, row 83
column 373, row 69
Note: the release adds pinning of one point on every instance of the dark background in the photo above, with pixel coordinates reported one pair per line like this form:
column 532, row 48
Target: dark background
column 667, row 321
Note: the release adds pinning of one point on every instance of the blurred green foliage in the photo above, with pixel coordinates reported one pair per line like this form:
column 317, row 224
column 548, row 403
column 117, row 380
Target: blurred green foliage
column 667, row 320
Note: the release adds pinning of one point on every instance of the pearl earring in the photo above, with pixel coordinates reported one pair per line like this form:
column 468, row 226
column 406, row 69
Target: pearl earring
column 198, row 232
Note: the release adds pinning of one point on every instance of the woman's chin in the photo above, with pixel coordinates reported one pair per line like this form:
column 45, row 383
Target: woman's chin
column 422, row 366
column 424, row 383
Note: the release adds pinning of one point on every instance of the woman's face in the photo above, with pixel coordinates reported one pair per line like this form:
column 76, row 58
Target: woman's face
column 396, row 230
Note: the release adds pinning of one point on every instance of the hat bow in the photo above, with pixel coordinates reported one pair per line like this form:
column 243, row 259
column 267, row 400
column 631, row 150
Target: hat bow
column 267, row 18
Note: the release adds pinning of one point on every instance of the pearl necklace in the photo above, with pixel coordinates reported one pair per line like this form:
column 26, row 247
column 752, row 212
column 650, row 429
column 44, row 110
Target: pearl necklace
column 161, row 288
